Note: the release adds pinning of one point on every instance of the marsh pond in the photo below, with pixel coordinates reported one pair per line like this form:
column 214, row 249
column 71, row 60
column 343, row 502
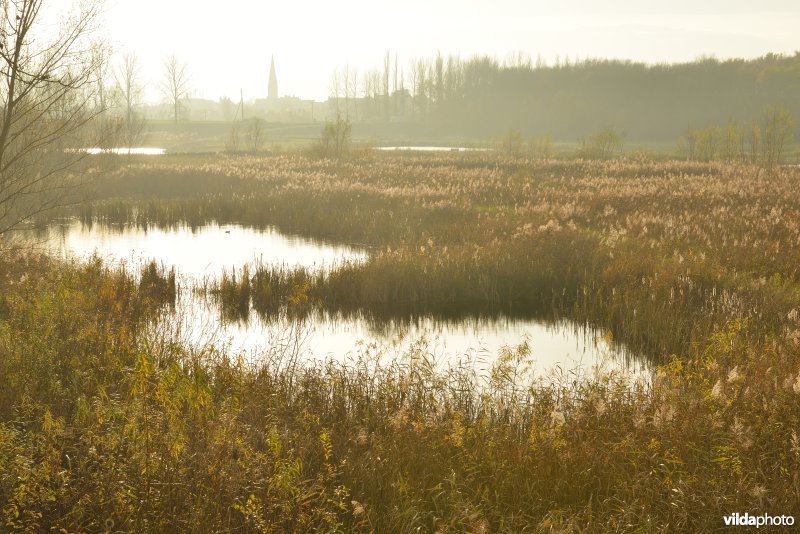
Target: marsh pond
column 201, row 255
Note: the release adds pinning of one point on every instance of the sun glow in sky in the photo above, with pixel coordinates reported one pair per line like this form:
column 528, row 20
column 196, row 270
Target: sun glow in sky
column 228, row 45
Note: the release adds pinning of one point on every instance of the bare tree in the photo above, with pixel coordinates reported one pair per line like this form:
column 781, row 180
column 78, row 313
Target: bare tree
column 777, row 127
column 335, row 140
column 691, row 142
column 733, row 142
column 233, row 142
column 256, row 134
column 438, row 81
column 402, row 93
column 424, row 69
column 335, row 89
column 367, row 92
column 48, row 98
column 453, row 78
column 129, row 89
column 604, row 144
column 512, row 143
column 386, row 70
column 377, row 85
column 352, row 89
column 754, row 141
column 394, row 85
column 104, row 123
column 415, row 83
column 349, row 82
column 176, row 85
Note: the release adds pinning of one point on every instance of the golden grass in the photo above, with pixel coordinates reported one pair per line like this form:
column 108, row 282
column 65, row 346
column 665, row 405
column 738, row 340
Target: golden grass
column 105, row 420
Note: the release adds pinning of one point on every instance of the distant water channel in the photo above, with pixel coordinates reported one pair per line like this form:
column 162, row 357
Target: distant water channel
column 430, row 149
column 133, row 151
column 201, row 254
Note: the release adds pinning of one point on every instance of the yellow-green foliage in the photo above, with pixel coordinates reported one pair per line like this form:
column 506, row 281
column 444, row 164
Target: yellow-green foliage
column 104, row 420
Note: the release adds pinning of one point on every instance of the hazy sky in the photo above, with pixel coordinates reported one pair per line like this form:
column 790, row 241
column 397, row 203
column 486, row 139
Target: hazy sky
column 228, row 44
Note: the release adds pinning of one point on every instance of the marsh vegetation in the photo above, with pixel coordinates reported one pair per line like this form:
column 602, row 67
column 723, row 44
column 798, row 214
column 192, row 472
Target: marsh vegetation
column 676, row 273
column 108, row 418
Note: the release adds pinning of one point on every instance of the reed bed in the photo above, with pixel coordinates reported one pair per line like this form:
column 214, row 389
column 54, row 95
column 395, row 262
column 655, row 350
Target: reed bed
column 662, row 252
column 108, row 423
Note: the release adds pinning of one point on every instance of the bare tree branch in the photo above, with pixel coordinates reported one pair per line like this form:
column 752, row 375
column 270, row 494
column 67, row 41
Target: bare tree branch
column 175, row 86
column 49, row 84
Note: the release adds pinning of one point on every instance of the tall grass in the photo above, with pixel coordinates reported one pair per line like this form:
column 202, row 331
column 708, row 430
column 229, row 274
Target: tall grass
column 107, row 423
column 652, row 305
column 662, row 252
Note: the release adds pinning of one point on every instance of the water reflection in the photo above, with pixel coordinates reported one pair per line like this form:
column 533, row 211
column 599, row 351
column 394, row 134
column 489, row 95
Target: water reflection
column 196, row 253
column 201, row 254
column 478, row 340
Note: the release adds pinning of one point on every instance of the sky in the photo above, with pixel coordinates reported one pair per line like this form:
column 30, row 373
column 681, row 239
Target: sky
column 228, row 45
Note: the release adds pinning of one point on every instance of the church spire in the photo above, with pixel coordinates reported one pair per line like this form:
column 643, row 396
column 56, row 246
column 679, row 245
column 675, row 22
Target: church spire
column 272, row 91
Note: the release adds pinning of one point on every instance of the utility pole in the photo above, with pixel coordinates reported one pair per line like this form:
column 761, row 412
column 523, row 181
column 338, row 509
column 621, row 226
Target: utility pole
column 241, row 102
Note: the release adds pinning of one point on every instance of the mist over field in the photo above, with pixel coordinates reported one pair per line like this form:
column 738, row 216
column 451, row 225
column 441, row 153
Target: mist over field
column 430, row 267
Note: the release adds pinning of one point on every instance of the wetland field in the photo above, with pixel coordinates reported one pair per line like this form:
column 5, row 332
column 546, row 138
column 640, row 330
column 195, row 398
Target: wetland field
column 403, row 341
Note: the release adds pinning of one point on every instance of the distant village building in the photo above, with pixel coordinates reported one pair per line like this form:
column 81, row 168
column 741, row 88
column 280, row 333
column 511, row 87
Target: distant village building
column 274, row 108
column 272, row 91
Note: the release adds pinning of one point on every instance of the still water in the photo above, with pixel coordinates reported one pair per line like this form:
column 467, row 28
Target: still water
column 134, row 151
column 201, row 254
column 196, row 253
column 431, row 148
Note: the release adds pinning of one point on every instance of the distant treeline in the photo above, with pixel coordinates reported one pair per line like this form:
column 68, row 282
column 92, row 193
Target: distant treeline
column 483, row 97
